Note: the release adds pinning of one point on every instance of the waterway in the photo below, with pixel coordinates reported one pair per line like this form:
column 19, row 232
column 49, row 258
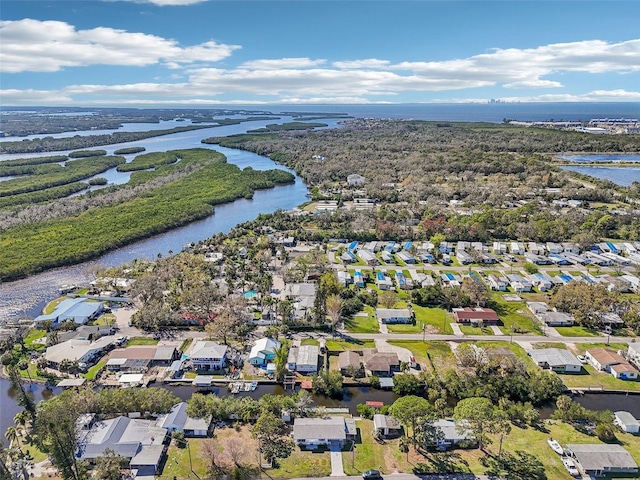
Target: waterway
column 27, row 297
column 352, row 397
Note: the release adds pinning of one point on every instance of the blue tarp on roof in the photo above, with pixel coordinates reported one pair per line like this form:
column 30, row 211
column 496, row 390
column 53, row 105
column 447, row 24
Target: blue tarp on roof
column 380, row 275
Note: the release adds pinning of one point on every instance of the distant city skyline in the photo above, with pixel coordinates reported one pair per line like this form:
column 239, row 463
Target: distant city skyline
column 236, row 52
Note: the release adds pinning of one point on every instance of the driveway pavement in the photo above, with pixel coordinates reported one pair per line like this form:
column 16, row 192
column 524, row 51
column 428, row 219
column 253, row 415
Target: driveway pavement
column 337, row 469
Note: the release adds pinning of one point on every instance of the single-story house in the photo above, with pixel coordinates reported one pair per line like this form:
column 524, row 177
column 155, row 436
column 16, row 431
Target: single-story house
column 141, row 442
column 208, row 355
column 380, row 364
column 556, row 359
column 476, row 315
column 348, row 360
column 556, row 319
column 394, row 315
column 600, row 459
column 626, row 422
column 496, row 283
column 263, row 351
column 386, row 425
column 602, row 359
column 303, row 358
column 450, row 434
column 311, row 433
column 624, row 371
column 178, row 420
column 78, row 310
column 81, row 351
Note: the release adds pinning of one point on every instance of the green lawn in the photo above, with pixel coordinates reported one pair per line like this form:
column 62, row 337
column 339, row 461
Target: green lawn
column 106, row 319
column 369, row 454
column 34, row 334
column 540, row 345
column 592, row 379
column 514, row 314
column 141, row 341
column 360, row 324
column 576, row 331
column 336, row 345
column 178, row 465
column 439, row 352
column 471, row 330
column 93, row 371
column 437, row 320
column 302, row 464
column 51, row 306
column 520, row 353
column 310, row 341
column 404, row 328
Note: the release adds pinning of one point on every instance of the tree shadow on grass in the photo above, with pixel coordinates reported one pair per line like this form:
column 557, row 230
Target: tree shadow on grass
column 518, row 466
column 442, row 462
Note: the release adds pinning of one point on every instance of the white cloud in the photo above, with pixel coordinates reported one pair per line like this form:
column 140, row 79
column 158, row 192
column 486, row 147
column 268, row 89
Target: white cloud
column 48, row 46
column 289, row 63
column 367, row 63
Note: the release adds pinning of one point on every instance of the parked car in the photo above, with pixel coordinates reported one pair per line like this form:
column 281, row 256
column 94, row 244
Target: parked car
column 371, row 475
column 581, row 358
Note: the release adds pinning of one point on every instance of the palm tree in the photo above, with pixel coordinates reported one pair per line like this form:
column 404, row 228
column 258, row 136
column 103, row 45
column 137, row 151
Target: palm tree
column 281, row 355
column 12, row 436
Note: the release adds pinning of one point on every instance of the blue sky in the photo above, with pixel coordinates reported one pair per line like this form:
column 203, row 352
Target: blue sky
column 216, row 52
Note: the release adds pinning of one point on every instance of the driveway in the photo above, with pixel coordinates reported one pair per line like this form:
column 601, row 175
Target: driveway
column 337, row 470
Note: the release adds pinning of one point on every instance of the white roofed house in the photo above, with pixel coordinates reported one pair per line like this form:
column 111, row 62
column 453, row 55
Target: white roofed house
column 208, row 355
column 81, row 351
column 626, row 422
column 263, row 351
column 633, row 354
column 557, row 359
column 394, row 315
column 496, row 283
column 303, row 358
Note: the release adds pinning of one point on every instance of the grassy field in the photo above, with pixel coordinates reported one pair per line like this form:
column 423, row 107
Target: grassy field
column 141, row 341
column 362, row 324
column 576, row 331
column 345, row 344
column 439, row 352
column 472, row 330
column 93, row 371
column 437, row 320
column 514, row 315
column 592, row 379
column 514, row 347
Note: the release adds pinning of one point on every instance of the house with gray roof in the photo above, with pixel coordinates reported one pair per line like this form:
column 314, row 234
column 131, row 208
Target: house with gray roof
column 626, row 422
column 386, row 426
column 557, row 359
column 141, row 442
column 601, row 459
column 178, row 420
column 81, row 351
column 394, row 315
column 311, row 433
column 303, row 358
column 451, row 433
column 207, row 355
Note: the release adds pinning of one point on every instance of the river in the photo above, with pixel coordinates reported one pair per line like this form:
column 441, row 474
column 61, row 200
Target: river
column 26, row 297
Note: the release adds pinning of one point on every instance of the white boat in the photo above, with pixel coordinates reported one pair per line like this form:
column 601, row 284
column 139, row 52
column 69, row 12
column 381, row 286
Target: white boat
column 555, row 446
column 570, row 465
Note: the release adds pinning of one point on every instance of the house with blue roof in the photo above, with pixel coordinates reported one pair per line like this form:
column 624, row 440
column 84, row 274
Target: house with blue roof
column 78, row 310
column 178, row 420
